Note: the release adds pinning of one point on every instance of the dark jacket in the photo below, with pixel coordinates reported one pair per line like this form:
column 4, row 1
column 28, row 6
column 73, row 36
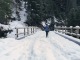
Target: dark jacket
column 46, row 28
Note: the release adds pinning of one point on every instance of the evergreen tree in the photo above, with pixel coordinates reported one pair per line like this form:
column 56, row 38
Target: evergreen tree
column 66, row 11
column 39, row 10
column 74, row 17
column 5, row 10
column 33, row 12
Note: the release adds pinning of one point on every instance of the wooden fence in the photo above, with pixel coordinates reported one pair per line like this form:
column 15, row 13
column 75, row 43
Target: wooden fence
column 73, row 31
column 25, row 31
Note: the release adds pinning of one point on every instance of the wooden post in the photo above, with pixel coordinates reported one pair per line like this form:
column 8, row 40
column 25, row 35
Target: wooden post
column 65, row 29
column 27, row 31
column 35, row 29
column 71, row 30
column 58, row 29
column 31, row 30
column 62, row 30
column 24, row 32
column 16, row 32
column 77, row 31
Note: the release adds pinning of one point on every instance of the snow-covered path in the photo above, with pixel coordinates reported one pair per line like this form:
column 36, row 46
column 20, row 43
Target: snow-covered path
column 38, row 47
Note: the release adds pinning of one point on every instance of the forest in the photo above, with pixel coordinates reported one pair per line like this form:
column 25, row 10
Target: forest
column 66, row 12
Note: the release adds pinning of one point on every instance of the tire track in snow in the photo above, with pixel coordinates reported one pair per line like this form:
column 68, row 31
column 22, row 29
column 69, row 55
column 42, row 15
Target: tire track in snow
column 36, row 52
column 31, row 48
column 57, row 50
column 38, row 47
column 42, row 50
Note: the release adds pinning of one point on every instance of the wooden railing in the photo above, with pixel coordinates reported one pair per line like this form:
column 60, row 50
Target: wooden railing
column 73, row 31
column 23, row 32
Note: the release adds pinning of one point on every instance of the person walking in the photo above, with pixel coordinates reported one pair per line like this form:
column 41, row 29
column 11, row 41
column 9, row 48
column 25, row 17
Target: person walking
column 46, row 28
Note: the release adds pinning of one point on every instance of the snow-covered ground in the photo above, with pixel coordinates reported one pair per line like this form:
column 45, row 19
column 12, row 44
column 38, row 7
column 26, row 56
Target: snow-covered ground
column 16, row 24
column 13, row 25
column 38, row 47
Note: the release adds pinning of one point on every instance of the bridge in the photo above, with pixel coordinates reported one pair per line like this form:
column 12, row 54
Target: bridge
column 57, row 46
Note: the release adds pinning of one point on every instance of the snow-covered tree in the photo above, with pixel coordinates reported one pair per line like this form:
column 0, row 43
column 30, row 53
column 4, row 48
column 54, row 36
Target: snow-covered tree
column 5, row 10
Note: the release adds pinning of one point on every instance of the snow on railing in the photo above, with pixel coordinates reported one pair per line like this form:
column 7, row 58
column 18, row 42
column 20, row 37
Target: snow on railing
column 23, row 32
column 73, row 31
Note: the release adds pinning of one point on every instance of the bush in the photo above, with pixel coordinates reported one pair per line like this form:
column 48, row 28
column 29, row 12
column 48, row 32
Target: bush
column 3, row 33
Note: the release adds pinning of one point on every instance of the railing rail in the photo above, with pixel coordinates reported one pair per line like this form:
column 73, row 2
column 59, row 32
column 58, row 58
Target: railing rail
column 25, row 31
column 73, row 31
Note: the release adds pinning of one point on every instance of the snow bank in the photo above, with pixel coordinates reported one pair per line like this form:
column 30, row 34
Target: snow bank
column 5, row 27
column 75, row 40
column 17, row 24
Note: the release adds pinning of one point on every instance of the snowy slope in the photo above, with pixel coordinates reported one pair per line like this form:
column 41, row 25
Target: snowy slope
column 17, row 24
column 23, row 14
column 6, row 27
column 38, row 47
column 22, row 11
column 13, row 25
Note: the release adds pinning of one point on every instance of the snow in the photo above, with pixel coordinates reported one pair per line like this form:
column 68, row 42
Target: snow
column 23, row 14
column 18, row 24
column 43, row 23
column 69, row 37
column 38, row 47
column 6, row 27
column 13, row 25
